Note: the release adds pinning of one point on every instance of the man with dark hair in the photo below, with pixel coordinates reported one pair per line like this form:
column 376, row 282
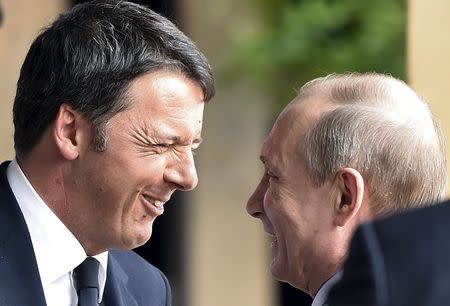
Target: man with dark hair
column 108, row 110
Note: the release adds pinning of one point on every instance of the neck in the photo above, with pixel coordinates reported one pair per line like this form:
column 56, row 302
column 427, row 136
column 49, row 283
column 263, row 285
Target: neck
column 49, row 179
column 332, row 259
column 317, row 283
column 45, row 177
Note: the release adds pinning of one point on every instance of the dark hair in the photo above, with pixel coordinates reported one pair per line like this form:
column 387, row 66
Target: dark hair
column 88, row 58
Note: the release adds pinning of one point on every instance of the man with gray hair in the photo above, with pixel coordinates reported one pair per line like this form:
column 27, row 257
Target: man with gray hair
column 349, row 148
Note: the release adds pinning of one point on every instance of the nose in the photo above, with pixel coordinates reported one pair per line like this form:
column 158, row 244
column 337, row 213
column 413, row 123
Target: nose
column 255, row 205
column 182, row 173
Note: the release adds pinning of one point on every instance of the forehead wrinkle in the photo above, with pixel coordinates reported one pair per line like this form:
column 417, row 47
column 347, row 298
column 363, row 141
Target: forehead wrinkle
column 147, row 128
column 178, row 116
column 139, row 125
column 180, row 113
column 179, row 122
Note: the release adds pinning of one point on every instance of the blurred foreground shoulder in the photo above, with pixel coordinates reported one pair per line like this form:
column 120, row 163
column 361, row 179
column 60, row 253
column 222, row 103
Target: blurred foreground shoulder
column 402, row 260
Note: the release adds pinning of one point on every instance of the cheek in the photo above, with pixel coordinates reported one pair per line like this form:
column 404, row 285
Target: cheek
column 139, row 171
column 274, row 202
column 132, row 208
column 154, row 162
column 269, row 198
column 277, row 194
column 282, row 208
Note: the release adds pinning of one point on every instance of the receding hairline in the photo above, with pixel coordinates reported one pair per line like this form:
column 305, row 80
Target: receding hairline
column 383, row 94
column 378, row 95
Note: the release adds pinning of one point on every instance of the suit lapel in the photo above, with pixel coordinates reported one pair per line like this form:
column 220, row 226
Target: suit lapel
column 116, row 291
column 19, row 275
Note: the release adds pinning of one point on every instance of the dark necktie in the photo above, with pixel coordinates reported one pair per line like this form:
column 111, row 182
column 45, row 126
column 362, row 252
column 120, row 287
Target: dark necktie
column 86, row 282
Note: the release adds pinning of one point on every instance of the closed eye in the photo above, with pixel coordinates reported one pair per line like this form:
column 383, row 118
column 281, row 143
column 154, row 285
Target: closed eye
column 195, row 146
column 163, row 145
column 271, row 175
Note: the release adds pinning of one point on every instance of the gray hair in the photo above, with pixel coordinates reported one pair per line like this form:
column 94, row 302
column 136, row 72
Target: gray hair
column 382, row 128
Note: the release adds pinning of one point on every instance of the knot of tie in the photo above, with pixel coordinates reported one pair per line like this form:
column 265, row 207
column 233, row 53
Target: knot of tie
column 86, row 282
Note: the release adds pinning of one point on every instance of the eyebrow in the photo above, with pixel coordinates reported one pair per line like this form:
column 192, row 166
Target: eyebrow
column 263, row 159
column 178, row 140
column 267, row 164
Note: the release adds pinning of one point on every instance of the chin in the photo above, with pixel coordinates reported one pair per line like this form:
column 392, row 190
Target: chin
column 280, row 269
column 138, row 239
column 141, row 240
column 277, row 270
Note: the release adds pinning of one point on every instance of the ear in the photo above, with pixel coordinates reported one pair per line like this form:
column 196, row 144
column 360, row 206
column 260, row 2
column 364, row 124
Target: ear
column 67, row 130
column 350, row 185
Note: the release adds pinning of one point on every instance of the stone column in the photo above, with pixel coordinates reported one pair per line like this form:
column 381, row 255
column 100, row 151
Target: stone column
column 429, row 56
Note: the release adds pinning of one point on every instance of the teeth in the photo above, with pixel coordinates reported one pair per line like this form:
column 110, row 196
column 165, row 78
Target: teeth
column 158, row 203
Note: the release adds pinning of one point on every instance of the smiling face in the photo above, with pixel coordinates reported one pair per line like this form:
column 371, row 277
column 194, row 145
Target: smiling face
column 297, row 215
column 118, row 193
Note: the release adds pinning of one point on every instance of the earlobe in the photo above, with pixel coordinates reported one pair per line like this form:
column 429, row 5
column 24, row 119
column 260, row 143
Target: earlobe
column 350, row 185
column 65, row 132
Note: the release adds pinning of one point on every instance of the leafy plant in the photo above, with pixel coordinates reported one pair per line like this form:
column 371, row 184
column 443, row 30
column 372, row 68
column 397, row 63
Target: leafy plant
column 304, row 39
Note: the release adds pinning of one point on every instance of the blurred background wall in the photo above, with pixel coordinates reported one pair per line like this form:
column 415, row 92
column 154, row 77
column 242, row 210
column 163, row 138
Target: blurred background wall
column 228, row 256
column 429, row 57
column 22, row 21
column 261, row 51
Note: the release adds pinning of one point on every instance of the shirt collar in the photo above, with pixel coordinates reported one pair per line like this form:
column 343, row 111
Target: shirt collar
column 56, row 249
column 322, row 295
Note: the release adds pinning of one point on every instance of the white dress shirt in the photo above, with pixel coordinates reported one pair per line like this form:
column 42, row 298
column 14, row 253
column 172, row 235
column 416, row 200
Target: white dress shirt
column 322, row 295
column 56, row 249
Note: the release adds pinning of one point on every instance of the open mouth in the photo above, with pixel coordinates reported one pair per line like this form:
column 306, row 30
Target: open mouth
column 273, row 238
column 154, row 207
column 156, row 203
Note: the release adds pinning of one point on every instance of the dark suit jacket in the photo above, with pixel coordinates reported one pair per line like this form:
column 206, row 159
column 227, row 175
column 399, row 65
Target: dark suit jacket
column 402, row 260
column 130, row 279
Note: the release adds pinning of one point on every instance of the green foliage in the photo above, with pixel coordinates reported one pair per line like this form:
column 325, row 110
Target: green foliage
column 305, row 39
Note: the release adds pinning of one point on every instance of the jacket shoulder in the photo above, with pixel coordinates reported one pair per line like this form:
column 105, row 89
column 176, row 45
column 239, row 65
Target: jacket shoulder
column 144, row 280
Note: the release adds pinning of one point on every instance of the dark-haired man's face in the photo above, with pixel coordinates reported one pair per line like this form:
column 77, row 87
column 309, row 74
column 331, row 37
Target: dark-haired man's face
column 149, row 156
